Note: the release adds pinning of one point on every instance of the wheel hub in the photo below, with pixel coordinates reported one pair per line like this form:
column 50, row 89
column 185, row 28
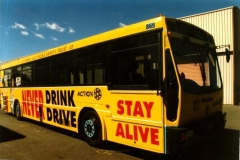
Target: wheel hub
column 89, row 128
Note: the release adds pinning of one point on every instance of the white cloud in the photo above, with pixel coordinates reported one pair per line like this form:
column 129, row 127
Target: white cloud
column 53, row 38
column 25, row 33
column 38, row 35
column 18, row 26
column 122, row 24
column 71, row 30
column 37, row 26
column 54, row 26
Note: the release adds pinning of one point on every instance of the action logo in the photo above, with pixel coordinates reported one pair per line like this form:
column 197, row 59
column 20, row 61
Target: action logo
column 97, row 94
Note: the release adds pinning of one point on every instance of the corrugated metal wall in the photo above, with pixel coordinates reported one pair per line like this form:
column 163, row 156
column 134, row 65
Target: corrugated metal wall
column 220, row 24
column 236, row 34
column 227, row 71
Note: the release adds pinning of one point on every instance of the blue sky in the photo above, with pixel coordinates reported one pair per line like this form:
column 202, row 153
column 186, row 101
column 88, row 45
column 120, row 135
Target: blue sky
column 31, row 26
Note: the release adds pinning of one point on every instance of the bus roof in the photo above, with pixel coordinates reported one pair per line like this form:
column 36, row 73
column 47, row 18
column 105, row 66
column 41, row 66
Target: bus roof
column 102, row 37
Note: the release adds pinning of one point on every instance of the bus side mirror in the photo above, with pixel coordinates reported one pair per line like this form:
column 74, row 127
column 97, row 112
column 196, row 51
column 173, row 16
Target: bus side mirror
column 227, row 55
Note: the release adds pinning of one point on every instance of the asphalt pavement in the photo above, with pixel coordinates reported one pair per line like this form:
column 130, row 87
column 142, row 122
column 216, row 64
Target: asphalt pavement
column 30, row 140
column 233, row 116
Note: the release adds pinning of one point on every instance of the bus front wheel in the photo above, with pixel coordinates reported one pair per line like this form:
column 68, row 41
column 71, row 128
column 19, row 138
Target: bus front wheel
column 91, row 128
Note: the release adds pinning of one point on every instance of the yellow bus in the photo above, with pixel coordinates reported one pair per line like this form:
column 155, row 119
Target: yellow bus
column 153, row 85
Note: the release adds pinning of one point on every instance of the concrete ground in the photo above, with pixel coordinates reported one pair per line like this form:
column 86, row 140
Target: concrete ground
column 233, row 117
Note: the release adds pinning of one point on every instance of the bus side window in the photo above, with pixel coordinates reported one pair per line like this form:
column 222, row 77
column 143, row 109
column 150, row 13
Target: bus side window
column 13, row 82
column 8, row 80
column 27, row 74
column 18, row 81
column 152, row 79
column 81, row 77
column 122, row 73
column 16, row 76
column 7, row 77
column 135, row 77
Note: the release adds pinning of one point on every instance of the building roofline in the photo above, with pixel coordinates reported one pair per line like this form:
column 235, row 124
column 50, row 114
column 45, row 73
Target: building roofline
column 217, row 10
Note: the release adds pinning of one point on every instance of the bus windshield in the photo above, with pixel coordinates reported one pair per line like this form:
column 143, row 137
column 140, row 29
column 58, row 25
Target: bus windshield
column 197, row 66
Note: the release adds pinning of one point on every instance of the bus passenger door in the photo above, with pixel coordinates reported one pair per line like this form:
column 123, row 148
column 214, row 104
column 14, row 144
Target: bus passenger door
column 137, row 119
column 135, row 80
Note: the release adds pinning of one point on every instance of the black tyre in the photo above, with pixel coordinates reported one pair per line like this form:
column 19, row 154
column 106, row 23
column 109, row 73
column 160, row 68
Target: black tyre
column 17, row 110
column 91, row 128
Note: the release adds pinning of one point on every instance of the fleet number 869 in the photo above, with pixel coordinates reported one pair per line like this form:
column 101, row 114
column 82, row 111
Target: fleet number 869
column 150, row 25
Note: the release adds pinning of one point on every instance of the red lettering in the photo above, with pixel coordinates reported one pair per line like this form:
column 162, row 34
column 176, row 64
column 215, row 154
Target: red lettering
column 148, row 108
column 6, row 103
column 128, row 104
column 37, row 111
column 138, row 109
column 120, row 107
column 154, row 136
column 128, row 135
column 144, row 134
column 33, row 99
column 36, row 101
column 24, row 100
column 135, row 132
column 28, row 102
column 40, row 104
column 120, row 131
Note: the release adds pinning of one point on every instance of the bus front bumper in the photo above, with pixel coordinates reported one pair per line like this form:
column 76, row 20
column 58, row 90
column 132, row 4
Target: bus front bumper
column 178, row 139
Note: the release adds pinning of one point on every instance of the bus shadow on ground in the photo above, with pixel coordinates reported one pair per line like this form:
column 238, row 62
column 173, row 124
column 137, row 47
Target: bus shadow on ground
column 9, row 135
column 223, row 146
column 54, row 128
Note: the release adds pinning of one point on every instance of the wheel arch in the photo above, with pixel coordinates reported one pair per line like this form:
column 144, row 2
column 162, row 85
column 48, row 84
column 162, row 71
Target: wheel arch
column 80, row 116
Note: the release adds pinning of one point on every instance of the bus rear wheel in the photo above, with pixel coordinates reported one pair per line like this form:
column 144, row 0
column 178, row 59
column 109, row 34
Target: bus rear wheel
column 91, row 128
column 17, row 110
